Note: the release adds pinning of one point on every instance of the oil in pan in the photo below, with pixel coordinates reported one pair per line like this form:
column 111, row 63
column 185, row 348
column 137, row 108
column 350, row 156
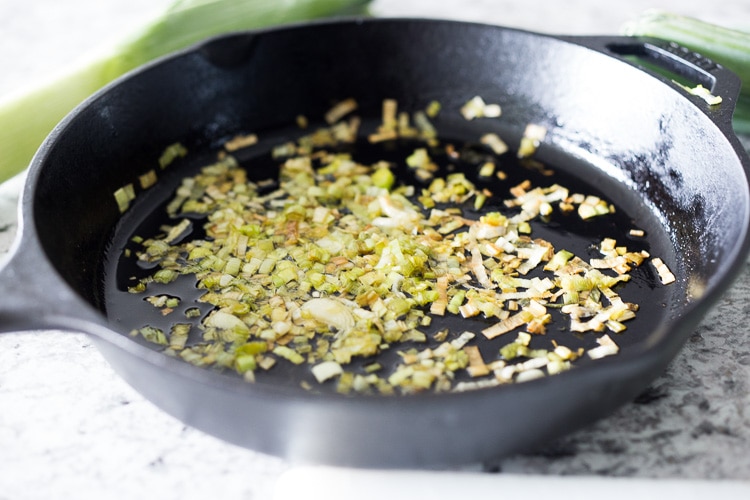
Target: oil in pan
column 451, row 348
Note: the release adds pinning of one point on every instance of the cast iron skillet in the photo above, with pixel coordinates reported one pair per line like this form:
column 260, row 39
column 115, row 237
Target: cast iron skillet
column 668, row 159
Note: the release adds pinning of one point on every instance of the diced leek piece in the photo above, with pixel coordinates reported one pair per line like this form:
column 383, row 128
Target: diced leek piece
column 289, row 354
column 171, row 153
column 123, row 196
column 165, row 276
column 326, row 370
column 383, row 178
column 154, row 335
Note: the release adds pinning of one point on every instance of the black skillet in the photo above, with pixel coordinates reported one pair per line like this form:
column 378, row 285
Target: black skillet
column 668, row 160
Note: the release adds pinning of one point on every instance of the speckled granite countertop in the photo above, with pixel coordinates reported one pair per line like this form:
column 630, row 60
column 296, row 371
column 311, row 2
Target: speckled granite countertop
column 70, row 428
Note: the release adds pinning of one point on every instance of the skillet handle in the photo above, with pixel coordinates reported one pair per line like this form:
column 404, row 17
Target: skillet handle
column 34, row 297
column 661, row 57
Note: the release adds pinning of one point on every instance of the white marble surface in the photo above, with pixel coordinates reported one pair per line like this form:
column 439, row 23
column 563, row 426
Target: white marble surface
column 70, row 428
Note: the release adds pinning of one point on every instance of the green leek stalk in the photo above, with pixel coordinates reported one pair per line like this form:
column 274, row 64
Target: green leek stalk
column 728, row 47
column 27, row 117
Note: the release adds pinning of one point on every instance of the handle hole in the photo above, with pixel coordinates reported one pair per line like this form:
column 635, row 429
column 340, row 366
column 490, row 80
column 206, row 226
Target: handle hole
column 670, row 61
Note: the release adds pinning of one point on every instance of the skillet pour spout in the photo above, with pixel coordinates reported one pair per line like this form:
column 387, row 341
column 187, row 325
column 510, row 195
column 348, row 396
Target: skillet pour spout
column 668, row 159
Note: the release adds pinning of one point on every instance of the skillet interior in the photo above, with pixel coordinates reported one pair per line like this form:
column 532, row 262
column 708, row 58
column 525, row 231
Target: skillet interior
column 654, row 153
column 128, row 312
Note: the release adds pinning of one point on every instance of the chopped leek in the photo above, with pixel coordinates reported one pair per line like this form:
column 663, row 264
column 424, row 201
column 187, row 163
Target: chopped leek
column 665, row 275
column 533, row 136
column 326, row 370
column 339, row 263
column 607, row 347
column 28, row 116
column 477, row 108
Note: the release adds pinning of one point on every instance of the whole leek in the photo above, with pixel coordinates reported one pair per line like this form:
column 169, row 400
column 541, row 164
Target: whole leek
column 29, row 115
column 728, row 47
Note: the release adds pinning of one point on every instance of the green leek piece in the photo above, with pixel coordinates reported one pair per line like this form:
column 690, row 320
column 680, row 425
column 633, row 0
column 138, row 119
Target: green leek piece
column 728, row 47
column 27, row 117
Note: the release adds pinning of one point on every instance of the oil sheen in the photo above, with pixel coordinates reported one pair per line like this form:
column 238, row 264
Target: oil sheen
column 128, row 311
